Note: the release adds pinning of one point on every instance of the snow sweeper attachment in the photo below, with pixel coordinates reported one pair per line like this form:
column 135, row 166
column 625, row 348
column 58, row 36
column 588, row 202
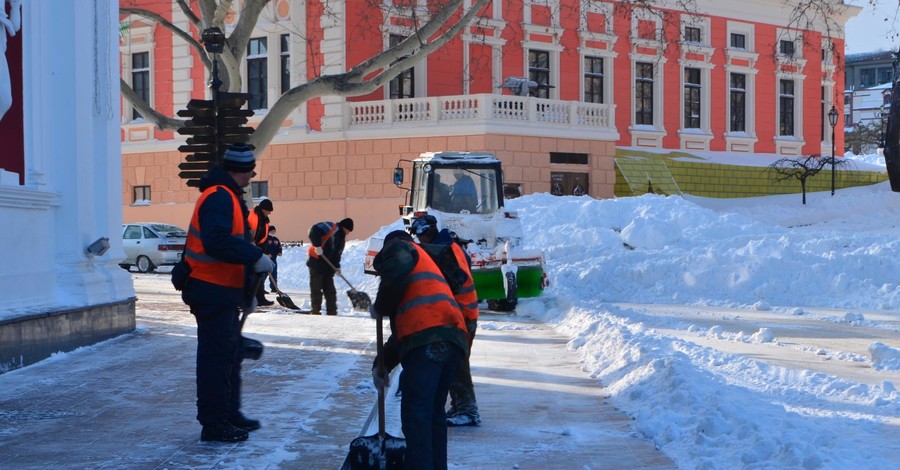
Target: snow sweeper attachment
column 464, row 192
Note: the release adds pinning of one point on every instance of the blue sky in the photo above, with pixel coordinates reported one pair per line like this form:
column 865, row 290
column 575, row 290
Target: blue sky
column 875, row 28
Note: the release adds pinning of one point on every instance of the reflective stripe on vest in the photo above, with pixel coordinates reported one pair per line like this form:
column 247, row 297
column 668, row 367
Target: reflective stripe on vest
column 427, row 301
column 205, row 267
column 467, row 297
column 312, row 250
column 253, row 223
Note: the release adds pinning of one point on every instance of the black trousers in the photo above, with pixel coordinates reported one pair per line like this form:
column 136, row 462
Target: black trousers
column 322, row 285
column 219, row 356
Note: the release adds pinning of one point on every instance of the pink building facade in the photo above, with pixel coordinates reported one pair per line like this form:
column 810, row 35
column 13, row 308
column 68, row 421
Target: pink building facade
column 735, row 78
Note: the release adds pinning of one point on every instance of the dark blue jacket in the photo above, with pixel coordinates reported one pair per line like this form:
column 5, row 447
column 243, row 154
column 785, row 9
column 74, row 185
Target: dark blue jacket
column 215, row 218
column 333, row 248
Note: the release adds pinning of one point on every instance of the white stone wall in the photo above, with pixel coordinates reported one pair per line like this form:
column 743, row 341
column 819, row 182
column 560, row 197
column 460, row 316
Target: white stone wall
column 72, row 192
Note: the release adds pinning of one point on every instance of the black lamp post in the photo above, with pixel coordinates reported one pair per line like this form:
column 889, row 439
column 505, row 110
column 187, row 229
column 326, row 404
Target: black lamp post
column 832, row 119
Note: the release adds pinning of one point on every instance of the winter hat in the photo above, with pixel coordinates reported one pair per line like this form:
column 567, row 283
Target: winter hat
column 239, row 158
column 397, row 235
column 347, row 224
column 271, row 228
column 266, row 205
column 423, row 224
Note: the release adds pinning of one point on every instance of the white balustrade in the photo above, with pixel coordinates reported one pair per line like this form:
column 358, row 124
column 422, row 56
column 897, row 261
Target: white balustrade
column 479, row 109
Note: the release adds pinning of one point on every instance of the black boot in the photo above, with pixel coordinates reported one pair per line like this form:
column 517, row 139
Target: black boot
column 242, row 422
column 223, row 432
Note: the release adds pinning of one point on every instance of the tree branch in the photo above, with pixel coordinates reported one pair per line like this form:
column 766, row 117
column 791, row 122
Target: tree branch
column 161, row 121
column 186, row 9
column 180, row 33
column 349, row 84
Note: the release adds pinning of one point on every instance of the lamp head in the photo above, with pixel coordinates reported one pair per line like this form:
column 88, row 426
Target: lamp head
column 833, row 116
column 213, row 40
column 99, row 247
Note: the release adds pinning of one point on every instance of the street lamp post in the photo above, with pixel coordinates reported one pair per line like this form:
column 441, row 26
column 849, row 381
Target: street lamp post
column 832, row 119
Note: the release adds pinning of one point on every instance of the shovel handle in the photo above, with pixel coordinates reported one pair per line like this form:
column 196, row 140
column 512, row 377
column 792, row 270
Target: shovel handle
column 379, row 363
column 274, row 284
column 328, row 261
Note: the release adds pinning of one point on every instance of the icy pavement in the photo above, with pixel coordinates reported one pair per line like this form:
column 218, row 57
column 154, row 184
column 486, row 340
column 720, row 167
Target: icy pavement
column 129, row 402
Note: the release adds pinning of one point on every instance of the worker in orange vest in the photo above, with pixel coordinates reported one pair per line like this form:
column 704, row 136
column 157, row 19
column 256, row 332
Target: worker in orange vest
column 259, row 229
column 222, row 260
column 428, row 338
column 456, row 266
column 326, row 240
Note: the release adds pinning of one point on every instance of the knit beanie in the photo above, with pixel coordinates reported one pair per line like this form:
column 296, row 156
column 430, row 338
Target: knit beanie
column 347, row 224
column 266, row 205
column 397, row 235
column 239, row 158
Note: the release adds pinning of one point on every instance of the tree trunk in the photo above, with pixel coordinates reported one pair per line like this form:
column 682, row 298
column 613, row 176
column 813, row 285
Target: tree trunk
column 892, row 131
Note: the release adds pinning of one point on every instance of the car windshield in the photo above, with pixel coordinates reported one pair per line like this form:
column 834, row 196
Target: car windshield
column 169, row 230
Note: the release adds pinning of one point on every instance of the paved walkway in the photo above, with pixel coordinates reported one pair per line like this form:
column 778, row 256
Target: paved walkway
column 129, row 402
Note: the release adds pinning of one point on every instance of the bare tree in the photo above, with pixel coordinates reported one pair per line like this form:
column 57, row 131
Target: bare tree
column 445, row 20
column 803, row 168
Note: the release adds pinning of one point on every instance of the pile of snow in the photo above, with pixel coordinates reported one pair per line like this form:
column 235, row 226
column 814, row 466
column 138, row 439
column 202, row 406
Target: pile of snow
column 702, row 406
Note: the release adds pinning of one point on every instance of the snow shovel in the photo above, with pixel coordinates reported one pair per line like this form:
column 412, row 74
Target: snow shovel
column 360, row 300
column 380, row 451
column 282, row 298
column 252, row 349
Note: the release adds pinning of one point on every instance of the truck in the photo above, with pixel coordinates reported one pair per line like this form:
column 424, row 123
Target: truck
column 464, row 192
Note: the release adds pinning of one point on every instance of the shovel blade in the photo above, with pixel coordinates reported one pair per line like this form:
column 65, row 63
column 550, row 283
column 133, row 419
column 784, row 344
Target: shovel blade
column 376, row 453
column 286, row 301
column 360, row 300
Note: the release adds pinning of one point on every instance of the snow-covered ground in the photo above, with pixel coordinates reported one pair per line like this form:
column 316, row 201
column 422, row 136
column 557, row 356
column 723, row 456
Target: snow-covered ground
column 653, row 290
column 756, row 333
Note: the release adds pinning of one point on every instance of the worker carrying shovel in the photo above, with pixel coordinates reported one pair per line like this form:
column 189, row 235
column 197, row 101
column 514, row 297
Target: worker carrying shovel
column 326, row 240
column 428, row 338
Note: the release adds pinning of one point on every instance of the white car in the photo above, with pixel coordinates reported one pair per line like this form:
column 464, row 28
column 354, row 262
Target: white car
column 149, row 244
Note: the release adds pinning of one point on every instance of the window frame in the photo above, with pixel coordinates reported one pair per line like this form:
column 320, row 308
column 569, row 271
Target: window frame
column 144, row 191
column 257, row 62
column 540, row 73
column 692, row 104
column 786, row 108
column 146, row 92
column 593, row 82
column 733, row 92
column 644, row 83
column 284, row 57
column 259, row 190
column 397, row 88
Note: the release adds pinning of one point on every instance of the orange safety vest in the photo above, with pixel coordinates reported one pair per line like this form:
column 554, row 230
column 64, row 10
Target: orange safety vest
column 427, row 301
column 467, row 297
column 253, row 222
column 312, row 250
column 205, row 267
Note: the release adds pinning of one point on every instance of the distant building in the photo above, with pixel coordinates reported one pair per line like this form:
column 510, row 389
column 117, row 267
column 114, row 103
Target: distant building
column 867, row 94
column 867, row 106
column 868, row 69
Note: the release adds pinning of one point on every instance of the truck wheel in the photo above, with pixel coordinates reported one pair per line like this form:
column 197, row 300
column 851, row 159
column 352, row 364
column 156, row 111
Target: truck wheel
column 509, row 303
column 502, row 305
column 144, row 264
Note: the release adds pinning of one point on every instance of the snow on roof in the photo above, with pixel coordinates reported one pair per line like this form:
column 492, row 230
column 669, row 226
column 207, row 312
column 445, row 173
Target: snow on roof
column 459, row 157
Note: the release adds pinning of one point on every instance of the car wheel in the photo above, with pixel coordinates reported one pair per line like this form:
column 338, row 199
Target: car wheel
column 144, row 264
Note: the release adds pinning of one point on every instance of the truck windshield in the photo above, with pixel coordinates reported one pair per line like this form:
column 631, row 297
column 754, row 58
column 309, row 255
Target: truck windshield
column 464, row 190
